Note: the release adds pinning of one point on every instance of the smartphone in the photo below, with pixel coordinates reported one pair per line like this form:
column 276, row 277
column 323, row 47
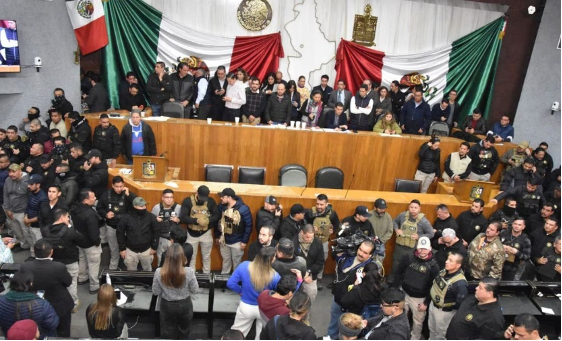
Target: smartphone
column 355, row 131
column 118, row 294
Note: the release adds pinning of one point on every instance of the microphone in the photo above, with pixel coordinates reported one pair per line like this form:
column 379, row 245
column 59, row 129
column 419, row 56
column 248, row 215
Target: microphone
column 305, row 187
column 166, row 152
column 349, row 186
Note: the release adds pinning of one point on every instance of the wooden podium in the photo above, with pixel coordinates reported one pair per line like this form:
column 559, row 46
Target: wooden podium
column 150, row 168
column 468, row 190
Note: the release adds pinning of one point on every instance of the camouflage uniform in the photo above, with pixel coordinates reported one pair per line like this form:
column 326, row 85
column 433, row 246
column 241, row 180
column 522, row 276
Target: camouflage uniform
column 487, row 260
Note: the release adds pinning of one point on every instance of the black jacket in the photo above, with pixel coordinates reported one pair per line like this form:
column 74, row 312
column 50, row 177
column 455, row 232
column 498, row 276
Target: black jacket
column 81, row 132
column 255, row 248
column 416, row 283
column 485, row 164
column 286, row 328
column 115, row 327
column 470, row 225
column 266, row 218
column 314, row 258
column 517, row 177
column 278, row 112
column 355, row 300
column 185, row 215
column 119, row 204
column 46, row 216
column 429, row 160
column 159, row 91
column 182, row 88
column 480, row 127
column 289, row 228
column 138, row 231
column 439, row 225
column 486, row 322
column 96, row 178
column 71, row 240
column 443, row 253
column 397, row 328
column 329, row 120
column 40, row 136
column 107, row 141
column 128, row 101
column 87, row 222
column 97, row 99
column 52, row 277
column 148, row 140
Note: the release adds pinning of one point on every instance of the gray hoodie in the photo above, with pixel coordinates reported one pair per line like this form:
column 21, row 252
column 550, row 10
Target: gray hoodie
column 15, row 194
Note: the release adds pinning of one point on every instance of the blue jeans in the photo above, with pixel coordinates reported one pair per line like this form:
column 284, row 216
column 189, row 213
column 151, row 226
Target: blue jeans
column 156, row 109
column 335, row 313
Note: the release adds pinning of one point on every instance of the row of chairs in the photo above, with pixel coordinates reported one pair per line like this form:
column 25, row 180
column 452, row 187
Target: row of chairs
column 295, row 175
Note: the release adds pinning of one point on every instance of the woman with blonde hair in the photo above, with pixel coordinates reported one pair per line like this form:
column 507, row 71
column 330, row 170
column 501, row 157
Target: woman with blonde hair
column 249, row 279
column 387, row 125
column 105, row 319
column 350, row 326
column 175, row 283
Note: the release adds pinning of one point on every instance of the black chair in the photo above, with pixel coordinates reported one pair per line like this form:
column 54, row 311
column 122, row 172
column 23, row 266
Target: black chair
column 251, row 175
column 173, row 109
column 293, row 175
column 329, row 177
column 407, row 186
column 218, row 173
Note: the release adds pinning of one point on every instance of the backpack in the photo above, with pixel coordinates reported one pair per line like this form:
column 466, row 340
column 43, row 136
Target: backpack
column 56, row 240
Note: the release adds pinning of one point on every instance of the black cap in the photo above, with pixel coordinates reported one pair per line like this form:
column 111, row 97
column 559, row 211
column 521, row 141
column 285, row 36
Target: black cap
column 296, row 209
column 380, row 203
column 74, row 115
column 270, row 199
column 44, row 158
column 203, row 193
column 228, row 192
column 363, row 211
column 92, row 153
column 35, row 179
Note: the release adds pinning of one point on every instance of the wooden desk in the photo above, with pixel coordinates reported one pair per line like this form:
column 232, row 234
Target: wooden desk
column 254, row 195
column 375, row 160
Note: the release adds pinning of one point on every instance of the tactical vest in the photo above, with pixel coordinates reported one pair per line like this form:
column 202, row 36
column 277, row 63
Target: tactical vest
column 408, row 228
column 457, row 165
column 504, row 218
column 517, row 159
column 529, row 203
column 417, row 274
column 165, row 214
column 230, row 221
column 199, row 211
column 440, row 287
column 323, row 224
column 103, row 139
column 360, row 119
column 117, row 206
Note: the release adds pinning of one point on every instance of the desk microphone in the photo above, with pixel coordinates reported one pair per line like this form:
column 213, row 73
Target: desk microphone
column 349, row 186
column 305, row 187
column 164, row 154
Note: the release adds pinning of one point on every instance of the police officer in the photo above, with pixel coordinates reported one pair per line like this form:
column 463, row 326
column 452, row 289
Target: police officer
column 445, row 220
column 515, row 156
column 200, row 213
column 548, row 264
column 234, row 229
column 472, row 222
column 486, row 254
column 543, row 238
column 519, row 176
column 383, row 227
column 80, row 131
column 112, row 205
column 517, row 247
column 270, row 214
column 480, row 316
column 415, row 273
column 484, row 158
column 323, row 217
column 447, row 293
column 529, row 197
column 106, row 139
column 410, row 226
column 167, row 214
column 507, row 214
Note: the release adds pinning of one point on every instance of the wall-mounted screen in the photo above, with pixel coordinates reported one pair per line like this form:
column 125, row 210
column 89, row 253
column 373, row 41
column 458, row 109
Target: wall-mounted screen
column 9, row 47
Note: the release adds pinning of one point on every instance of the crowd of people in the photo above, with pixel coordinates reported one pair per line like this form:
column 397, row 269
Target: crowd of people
column 58, row 203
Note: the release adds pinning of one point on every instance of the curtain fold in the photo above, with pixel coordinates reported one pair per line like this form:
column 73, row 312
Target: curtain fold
column 133, row 29
column 472, row 68
column 355, row 63
column 257, row 55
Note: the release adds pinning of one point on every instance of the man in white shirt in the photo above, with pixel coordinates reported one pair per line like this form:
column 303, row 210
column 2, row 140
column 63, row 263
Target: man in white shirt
column 234, row 99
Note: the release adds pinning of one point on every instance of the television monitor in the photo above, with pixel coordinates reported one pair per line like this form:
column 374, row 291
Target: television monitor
column 9, row 47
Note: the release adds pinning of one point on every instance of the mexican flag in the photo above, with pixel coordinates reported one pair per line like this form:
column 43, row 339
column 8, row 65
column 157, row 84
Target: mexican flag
column 88, row 21
column 467, row 65
column 139, row 36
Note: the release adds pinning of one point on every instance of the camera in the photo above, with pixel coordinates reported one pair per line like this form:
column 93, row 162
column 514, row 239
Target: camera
column 38, row 62
column 555, row 107
column 350, row 244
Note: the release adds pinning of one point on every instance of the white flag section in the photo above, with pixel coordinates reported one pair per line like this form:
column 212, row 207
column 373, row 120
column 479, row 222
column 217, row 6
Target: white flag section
column 176, row 41
column 431, row 68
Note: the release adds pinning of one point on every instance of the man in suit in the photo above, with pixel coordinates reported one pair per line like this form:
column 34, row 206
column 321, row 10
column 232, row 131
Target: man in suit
column 335, row 119
column 324, row 88
column 53, row 279
column 340, row 95
column 97, row 99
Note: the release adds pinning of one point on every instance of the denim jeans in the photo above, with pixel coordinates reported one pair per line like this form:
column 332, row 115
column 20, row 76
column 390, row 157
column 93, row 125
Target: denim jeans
column 335, row 313
column 156, row 109
column 175, row 319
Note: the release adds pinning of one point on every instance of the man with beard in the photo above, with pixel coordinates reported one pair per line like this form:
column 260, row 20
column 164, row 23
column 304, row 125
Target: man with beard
column 486, row 254
column 536, row 220
column 15, row 202
column 458, row 164
column 37, row 133
column 270, row 214
column 519, row 175
column 484, row 158
column 106, row 139
column 444, row 221
column 15, row 147
column 265, row 238
column 529, row 197
column 137, row 138
column 34, row 200
column 80, row 131
column 517, row 247
column 472, row 222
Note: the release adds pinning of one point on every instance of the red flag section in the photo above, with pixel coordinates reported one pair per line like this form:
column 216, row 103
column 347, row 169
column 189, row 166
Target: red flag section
column 355, row 63
column 257, row 55
column 93, row 36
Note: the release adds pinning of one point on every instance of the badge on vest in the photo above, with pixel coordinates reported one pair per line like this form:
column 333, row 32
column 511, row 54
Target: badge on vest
column 437, row 299
column 516, row 245
column 103, row 133
column 468, row 317
column 548, row 244
column 477, row 227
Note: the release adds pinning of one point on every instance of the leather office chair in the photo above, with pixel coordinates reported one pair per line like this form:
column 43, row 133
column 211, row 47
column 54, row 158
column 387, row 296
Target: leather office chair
column 293, row 175
column 218, row 173
column 407, row 186
column 329, row 177
column 251, row 175
column 173, row 109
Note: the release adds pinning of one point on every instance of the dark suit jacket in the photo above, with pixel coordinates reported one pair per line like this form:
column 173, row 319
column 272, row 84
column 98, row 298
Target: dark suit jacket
column 334, row 99
column 295, row 96
column 52, row 277
column 325, row 93
column 327, row 121
column 98, row 100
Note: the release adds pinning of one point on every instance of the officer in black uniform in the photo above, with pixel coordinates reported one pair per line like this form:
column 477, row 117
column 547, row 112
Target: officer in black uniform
column 167, row 214
column 80, row 131
column 357, row 222
column 507, row 214
column 479, row 316
column 529, row 197
column 517, row 248
column 112, row 205
column 472, row 222
column 106, row 139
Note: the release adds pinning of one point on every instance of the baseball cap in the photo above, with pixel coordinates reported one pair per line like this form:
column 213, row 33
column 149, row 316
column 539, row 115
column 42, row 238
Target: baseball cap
column 22, row 330
column 227, row 192
column 14, row 167
column 296, row 209
column 380, row 203
column 270, row 199
column 203, row 193
column 523, row 144
column 35, row 179
column 74, row 115
column 44, row 158
column 363, row 211
column 424, row 243
column 139, row 201
column 92, row 153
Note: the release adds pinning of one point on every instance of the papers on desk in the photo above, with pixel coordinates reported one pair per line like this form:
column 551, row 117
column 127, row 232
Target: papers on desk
column 391, row 135
column 547, row 311
column 171, row 184
column 156, row 118
column 326, row 130
column 122, row 300
column 126, row 171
